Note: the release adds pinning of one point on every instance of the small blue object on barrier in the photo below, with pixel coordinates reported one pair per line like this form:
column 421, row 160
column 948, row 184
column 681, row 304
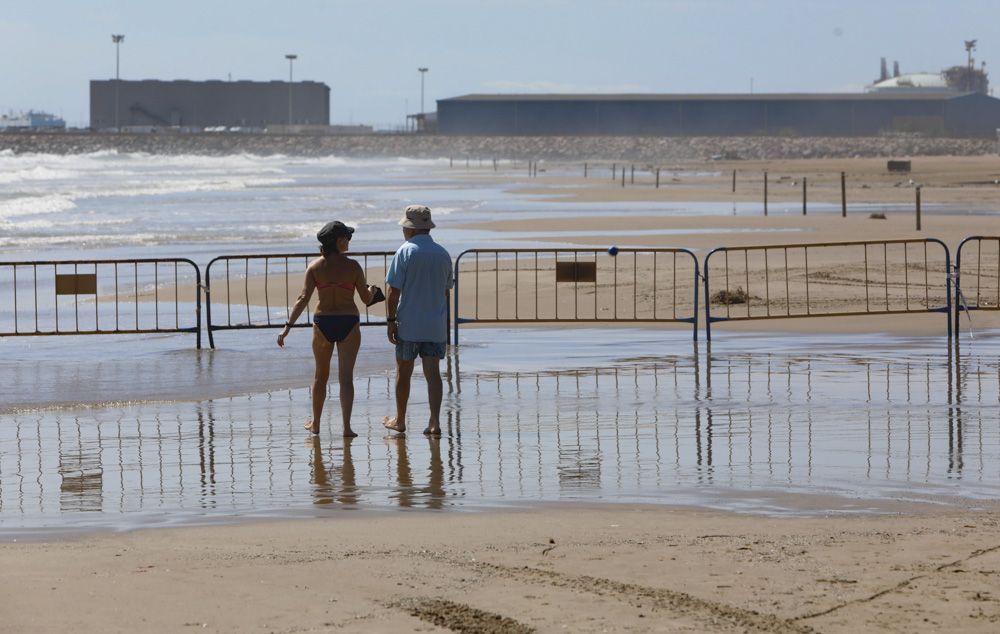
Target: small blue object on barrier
column 612, row 251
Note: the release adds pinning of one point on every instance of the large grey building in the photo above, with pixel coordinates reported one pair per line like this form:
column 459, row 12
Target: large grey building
column 199, row 104
column 847, row 114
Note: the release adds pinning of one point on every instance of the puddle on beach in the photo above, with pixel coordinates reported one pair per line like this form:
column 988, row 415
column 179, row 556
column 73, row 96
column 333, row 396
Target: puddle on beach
column 764, row 423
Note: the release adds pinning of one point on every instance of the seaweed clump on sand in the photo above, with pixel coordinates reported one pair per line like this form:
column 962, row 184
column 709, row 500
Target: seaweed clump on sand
column 728, row 297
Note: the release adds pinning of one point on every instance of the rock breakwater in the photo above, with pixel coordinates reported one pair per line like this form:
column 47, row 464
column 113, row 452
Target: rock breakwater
column 645, row 149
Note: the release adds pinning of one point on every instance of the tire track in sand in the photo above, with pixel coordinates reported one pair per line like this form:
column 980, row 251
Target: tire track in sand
column 459, row 617
column 719, row 616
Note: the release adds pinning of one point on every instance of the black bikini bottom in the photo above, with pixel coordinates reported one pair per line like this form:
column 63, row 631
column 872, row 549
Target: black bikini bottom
column 336, row 327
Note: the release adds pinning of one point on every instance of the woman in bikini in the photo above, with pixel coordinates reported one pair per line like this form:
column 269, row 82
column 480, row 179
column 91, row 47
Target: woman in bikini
column 336, row 321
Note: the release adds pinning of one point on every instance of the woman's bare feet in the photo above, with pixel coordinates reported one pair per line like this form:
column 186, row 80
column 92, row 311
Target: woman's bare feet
column 312, row 427
column 350, row 433
column 390, row 423
column 433, row 431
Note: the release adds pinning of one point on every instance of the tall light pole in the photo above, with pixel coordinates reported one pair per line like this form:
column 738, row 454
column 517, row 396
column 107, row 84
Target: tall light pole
column 970, row 45
column 291, row 57
column 423, row 71
column 117, row 39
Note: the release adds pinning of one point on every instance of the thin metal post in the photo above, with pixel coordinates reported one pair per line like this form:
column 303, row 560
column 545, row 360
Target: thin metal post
column 657, row 178
column 765, row 193
column 804, row 189
column 734, row 181
column 456, row 320
column 918, row 207
column 843, row 194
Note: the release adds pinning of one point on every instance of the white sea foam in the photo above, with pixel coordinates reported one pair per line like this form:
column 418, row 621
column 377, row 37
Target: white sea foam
column 137, row 239
column 111, row 199
column 31, row 205
column 54, row 203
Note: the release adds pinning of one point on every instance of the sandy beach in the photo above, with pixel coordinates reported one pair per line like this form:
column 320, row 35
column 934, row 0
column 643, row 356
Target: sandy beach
column 588, row 569
column 903, row 566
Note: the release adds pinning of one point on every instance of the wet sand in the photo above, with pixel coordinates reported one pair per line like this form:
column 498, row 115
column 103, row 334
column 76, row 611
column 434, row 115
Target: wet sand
column 571, row 566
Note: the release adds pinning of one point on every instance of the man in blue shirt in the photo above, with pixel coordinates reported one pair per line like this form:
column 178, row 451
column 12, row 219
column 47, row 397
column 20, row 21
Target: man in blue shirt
column 419, row 277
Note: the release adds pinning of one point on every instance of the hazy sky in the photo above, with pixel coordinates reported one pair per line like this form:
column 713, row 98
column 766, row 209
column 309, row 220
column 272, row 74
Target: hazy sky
column 368, row 51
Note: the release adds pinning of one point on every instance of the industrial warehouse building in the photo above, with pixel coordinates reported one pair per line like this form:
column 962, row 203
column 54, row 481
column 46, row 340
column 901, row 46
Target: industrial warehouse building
column 201, row 104
column 862, row 114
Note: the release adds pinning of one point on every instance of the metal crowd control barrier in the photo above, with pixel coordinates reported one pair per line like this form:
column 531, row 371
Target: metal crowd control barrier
column 576, row 285
column 980, row 272
column 829, row 280
column 259, row 290
column 100, row 297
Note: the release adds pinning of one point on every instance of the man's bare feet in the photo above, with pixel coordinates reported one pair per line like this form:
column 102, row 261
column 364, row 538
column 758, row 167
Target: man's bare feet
column 389, row 422
column 350, row 433
column 433, row 431
column 311, row 427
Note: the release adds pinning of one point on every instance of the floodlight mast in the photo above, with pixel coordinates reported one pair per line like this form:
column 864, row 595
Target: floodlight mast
column 423, row 71
column 970, row 45
column 291, row 57
column 117, row 39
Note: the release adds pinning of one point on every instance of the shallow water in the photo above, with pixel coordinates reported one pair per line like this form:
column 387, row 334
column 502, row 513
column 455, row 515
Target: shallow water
column 760, row 424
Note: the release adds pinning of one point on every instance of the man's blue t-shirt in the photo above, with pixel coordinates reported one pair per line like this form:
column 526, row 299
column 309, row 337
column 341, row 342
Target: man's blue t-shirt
column 421, row 269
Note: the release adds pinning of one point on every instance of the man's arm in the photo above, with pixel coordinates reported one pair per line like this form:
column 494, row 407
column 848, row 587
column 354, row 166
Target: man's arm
column 391, row 304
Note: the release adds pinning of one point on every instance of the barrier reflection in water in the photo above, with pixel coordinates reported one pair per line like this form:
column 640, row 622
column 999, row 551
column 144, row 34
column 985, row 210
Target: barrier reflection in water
column 861, row 426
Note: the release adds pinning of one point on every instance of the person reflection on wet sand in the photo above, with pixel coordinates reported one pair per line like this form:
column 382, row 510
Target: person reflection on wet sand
column 323, row 492
column 349, row 488
column 435, row 483
column 404, row 477
column 406, row 492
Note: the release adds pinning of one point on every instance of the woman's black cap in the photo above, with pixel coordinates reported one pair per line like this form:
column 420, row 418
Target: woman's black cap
column 333, row 230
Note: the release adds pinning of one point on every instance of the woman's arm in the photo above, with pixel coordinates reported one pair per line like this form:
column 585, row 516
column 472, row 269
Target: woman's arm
column 308, row 286
column 364, row 291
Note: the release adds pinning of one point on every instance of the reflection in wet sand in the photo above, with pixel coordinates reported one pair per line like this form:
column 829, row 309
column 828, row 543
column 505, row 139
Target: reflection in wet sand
column 889, row 425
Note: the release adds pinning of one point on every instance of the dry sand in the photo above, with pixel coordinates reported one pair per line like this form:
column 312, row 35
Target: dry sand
column 610, row 568
column 606, row 568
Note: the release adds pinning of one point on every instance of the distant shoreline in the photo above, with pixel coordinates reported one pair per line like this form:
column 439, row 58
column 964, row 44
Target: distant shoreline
column 459, row 148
